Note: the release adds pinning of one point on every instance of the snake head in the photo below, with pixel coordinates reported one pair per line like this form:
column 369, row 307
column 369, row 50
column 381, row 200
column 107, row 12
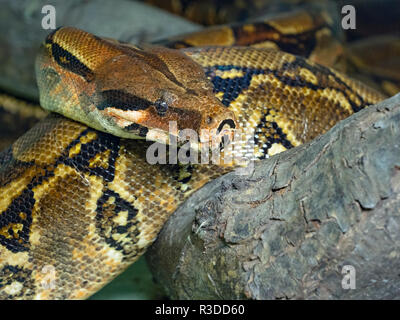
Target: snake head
column 127, row 91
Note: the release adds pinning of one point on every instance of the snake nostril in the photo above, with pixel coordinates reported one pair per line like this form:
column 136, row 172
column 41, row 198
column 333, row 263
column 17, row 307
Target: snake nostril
column 228, row 122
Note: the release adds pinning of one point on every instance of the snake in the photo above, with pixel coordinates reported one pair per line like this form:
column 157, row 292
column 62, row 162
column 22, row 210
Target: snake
column 80, row 201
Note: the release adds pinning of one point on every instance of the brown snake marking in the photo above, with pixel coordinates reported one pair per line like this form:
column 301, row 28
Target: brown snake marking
column 88, row 204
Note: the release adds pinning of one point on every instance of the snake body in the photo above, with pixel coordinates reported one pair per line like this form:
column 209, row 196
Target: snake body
column 80, row 204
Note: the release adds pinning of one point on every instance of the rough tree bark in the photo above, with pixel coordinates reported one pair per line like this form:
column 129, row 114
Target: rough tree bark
column 286, row 231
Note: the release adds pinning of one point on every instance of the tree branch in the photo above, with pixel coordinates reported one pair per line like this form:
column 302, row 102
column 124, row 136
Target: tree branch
column 286, row 231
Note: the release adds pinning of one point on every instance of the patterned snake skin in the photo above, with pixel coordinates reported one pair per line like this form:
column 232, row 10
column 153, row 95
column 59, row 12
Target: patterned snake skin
column 79, row 205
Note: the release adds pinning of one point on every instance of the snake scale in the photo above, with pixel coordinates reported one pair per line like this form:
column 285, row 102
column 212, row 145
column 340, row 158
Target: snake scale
column 82, row 204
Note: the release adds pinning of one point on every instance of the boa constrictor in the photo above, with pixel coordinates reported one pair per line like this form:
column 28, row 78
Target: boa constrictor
column 79, row 200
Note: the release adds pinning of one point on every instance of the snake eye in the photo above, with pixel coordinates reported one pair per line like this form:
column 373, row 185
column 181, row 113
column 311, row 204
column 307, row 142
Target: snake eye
column 209, row 120
column 161, row 107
